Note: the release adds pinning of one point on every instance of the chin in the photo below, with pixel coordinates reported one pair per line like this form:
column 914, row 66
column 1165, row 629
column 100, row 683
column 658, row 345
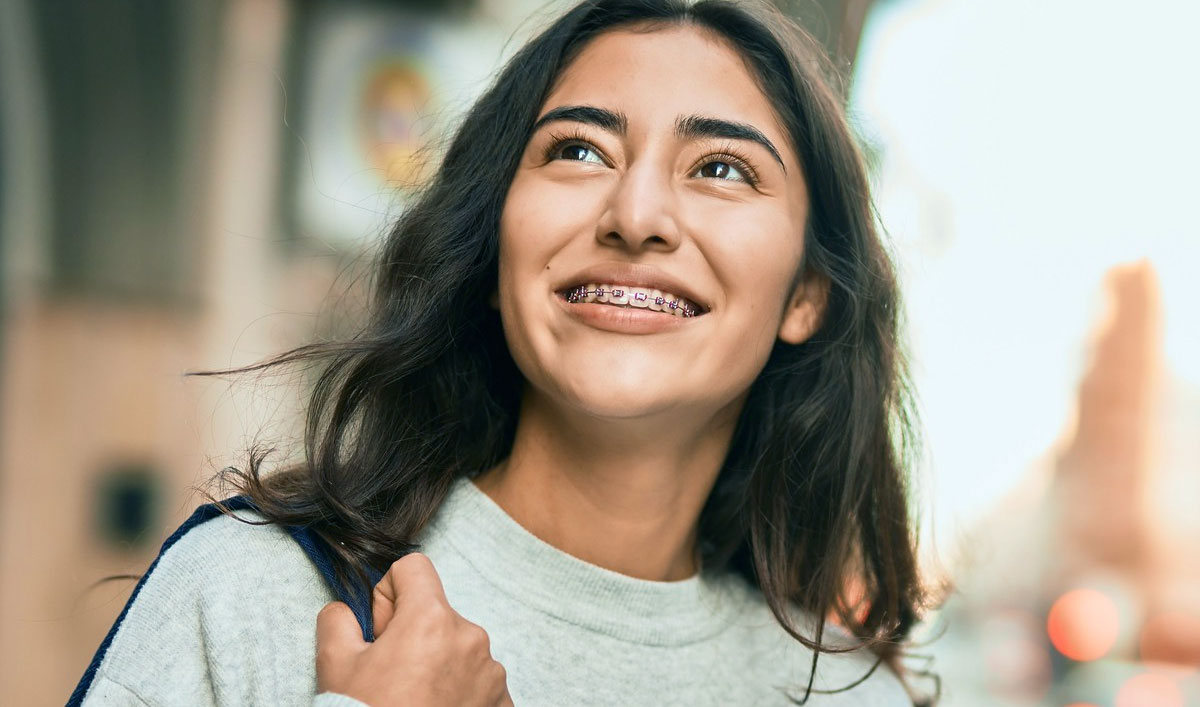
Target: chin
column 619, row 396
column 633, row 406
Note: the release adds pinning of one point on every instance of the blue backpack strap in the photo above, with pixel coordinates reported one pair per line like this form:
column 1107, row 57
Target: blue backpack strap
column 358, row 599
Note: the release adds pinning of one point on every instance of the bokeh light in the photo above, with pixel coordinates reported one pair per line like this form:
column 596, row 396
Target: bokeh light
column 1083, row 624
column 1149, row 690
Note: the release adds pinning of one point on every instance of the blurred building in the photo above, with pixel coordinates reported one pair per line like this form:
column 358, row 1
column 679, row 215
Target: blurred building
column 192, row 186
column 1081, row 589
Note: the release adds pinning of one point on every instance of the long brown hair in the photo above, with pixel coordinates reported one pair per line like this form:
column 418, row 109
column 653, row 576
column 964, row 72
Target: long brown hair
column 811, row 505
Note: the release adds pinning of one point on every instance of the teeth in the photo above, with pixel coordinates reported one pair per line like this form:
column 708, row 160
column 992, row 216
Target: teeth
column 656, row 300
column 640, row 297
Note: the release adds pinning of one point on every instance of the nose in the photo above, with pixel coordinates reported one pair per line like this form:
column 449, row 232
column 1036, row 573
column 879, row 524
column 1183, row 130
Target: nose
column 641, row 212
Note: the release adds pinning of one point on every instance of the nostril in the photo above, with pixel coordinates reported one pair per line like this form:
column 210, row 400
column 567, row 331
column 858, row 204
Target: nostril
column 613, row 238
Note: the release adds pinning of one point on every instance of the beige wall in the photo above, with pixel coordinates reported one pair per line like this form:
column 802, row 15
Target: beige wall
column 88, row 383
column 84, row 386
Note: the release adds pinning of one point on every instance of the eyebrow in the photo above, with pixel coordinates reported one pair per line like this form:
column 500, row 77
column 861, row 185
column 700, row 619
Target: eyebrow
column 686, row 127
column 694, row 126
column 612, row 121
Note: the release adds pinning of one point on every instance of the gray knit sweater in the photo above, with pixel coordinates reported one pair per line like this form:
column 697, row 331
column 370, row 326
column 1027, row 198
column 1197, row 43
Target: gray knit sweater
column 228, row 618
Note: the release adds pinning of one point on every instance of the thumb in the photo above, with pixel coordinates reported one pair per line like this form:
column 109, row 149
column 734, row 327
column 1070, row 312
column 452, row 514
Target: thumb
column 339, row 640
column 383, row 605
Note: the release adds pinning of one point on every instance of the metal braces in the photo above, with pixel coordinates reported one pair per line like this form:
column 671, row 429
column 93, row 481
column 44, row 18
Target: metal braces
column 576, row 295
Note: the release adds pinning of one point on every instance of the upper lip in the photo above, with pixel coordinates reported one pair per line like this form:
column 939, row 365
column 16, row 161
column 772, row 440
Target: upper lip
column 633, row 275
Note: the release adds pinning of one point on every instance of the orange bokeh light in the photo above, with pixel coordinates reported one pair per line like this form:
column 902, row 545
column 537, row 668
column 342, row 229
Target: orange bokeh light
column 1149, row 690
column 1083, row 624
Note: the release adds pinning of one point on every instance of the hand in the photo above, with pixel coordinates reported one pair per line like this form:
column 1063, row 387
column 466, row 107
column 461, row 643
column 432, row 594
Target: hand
column 430, row 656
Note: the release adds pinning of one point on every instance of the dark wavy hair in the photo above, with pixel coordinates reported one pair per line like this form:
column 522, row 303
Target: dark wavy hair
column 811, row 505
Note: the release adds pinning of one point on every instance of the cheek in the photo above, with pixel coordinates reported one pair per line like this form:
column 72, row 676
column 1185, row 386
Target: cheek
column 532, row 232
column 514, row 229
column 524, row 244
column 538, row 219
column 753, row 252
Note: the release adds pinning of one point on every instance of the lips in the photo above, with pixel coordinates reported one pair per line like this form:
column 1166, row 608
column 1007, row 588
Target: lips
column 636, row 286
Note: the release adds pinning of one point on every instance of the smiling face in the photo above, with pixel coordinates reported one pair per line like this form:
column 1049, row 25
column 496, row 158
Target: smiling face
column 657, row 168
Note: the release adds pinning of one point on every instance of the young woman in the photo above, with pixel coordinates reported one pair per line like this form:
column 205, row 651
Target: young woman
column 631, row 385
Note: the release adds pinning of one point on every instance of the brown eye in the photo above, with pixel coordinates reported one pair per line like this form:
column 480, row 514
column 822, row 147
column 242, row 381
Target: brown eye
column 577, row 152
column 722, row 170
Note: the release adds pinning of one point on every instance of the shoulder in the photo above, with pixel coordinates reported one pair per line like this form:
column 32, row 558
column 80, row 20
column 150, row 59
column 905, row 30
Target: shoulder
column 225, row 601
column 228, row 560
column 777, row 658
column 231, row 550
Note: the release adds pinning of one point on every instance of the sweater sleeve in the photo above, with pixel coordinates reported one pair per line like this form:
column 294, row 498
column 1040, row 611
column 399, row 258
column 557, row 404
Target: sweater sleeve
column 226, row 617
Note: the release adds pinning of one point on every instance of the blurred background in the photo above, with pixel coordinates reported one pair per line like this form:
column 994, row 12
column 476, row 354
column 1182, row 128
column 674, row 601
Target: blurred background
column 197, row 185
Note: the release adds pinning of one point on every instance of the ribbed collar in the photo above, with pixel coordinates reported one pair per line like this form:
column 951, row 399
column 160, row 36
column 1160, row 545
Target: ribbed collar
column 535, row 573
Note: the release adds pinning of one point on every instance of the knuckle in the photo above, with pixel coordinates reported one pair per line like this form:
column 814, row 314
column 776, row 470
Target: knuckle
column 477, row 638
column 328, row 613
column 502, row 696
column 328, row 609
column 416, row 561
column 413, row 561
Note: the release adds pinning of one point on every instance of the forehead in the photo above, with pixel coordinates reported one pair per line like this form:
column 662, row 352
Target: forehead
column 654, row 74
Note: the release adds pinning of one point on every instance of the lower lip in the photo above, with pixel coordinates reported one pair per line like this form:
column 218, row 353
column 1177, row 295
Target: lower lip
column 622, row 320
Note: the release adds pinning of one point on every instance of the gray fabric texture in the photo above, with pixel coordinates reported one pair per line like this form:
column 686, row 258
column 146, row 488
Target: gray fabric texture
column 229, row 618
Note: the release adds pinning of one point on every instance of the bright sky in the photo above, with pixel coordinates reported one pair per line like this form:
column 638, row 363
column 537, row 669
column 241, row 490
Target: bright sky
column 1027, row 147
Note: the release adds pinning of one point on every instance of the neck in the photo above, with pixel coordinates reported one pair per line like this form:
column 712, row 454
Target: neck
column 625, row 495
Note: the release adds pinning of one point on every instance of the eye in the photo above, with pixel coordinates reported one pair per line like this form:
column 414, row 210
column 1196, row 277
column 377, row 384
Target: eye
column 722, row 170
column 573, row 148
column 727, row 167
column 576, row 151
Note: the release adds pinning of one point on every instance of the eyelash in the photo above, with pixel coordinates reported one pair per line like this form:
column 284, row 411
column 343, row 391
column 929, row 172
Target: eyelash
column 727, row 153
column 560, row 140
column 730, row 154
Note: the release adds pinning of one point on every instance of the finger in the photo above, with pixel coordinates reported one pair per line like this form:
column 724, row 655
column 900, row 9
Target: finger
column 502, row 677
column 383, row 606
column 338, row 642
column 338, row 632
column 411, row 582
